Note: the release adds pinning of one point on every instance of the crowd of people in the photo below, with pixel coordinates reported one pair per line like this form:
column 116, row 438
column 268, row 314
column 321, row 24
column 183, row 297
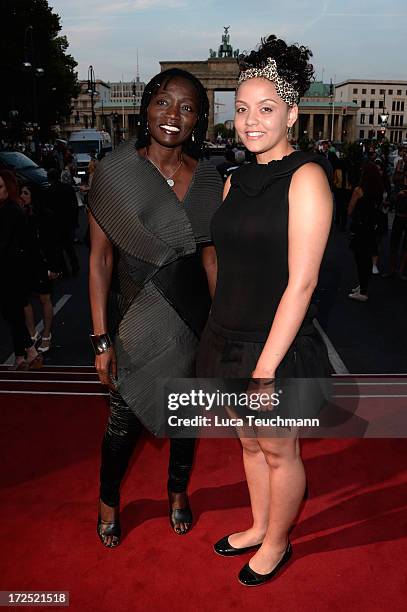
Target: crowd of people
column 367, row 189
column 37, row 229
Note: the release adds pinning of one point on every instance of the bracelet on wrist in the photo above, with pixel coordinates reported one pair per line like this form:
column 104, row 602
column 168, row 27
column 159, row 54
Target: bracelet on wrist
column 100, row 342
column 262, row 382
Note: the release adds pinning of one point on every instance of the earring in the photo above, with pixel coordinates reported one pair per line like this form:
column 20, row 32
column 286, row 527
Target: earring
column 146, row 130
column 193, row 137
column 289, row 131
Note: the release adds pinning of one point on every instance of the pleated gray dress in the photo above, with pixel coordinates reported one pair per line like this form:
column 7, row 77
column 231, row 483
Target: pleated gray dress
column 159, row 299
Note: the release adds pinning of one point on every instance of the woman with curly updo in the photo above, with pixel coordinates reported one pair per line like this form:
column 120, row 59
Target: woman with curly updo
column 270, row 235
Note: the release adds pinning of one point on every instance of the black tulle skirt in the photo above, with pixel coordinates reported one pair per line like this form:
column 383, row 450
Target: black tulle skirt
column 303, row 376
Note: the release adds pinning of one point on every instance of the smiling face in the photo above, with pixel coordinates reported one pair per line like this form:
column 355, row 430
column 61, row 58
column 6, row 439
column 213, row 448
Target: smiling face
column 261, row 116
column 173, row 112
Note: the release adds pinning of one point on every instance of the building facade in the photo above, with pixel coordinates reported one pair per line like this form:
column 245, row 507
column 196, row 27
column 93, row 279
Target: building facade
column 116, row 107
column 374, row 99
column 322, row 118
column 81, row 108
column 127, row 92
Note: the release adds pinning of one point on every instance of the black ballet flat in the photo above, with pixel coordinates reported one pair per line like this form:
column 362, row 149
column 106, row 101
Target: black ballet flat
column 109, row 528
column 249, row 577
column 225, row 549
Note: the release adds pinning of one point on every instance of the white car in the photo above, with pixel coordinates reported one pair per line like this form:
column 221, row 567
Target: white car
column 211, row 145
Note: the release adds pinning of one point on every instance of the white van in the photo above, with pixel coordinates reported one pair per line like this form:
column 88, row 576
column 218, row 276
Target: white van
column 84, row 142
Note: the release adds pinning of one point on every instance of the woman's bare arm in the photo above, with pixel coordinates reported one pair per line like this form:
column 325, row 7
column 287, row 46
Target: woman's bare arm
column 100, row 276
column 209, row 259
column 210, row 264
column 356, row 195
column 310, row 217
column 226, row 187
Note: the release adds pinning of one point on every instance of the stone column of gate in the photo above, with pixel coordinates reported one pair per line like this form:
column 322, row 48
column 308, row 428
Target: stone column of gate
column 325, row 132
column 339, row 128
column 126, row 127
column 351, row 127
column 310, row 126
column 211, row 118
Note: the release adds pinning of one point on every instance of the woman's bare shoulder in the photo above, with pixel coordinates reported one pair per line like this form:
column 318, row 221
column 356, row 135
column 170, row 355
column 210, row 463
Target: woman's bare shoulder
column 309, row 171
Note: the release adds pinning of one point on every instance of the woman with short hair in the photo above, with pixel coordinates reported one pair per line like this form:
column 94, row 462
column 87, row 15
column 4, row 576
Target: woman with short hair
column 151, row 202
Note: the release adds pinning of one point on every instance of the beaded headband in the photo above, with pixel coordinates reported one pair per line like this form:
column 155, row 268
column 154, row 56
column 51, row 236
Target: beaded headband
column 283, row 88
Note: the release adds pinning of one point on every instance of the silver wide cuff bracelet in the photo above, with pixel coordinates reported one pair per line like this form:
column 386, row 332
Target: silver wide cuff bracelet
column 100, row 343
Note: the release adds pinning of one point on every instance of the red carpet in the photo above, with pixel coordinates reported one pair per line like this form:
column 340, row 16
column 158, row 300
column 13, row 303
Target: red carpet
column 350, row 545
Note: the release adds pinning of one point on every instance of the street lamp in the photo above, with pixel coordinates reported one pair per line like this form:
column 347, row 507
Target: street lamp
column 384, row 117
column 114, row 118
column 29, row 65
column 134, row 90
column 103, row 117
column 92, row 91
column 332, row 96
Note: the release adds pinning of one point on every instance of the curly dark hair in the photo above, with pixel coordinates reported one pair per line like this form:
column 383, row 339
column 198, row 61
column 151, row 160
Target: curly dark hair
column 191, row 147
column 292, row 61
column 10, row 182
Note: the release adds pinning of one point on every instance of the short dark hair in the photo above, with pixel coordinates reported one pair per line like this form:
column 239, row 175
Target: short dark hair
column 292, row 61
column 191, row 147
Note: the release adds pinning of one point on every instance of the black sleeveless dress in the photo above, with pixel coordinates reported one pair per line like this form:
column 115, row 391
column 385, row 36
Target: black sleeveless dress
column 250, row 233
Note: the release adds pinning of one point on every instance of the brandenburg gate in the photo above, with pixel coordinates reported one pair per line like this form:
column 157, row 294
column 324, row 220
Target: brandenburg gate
column 317, row 109
column 218, row 73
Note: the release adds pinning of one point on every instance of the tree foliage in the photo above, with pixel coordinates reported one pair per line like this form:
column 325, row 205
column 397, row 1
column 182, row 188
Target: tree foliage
column 31, row 33
column 221, row 129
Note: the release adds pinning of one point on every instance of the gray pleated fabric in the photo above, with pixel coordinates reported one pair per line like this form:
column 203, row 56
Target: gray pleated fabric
column 149, row 228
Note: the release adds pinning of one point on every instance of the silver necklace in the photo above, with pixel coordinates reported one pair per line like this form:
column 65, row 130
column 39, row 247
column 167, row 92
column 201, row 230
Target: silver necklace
column 169, row 179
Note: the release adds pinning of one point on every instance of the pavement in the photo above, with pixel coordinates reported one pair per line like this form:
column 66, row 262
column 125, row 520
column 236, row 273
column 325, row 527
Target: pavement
column 364, row 338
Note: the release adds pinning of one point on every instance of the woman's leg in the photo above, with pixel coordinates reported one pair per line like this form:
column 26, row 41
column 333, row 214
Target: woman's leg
column 179, row 470
column 365, row 272
column 12, row 310
column 29, row 319
column 257, row 476
column 286, row 476
column 122, row 432
column 364, row 265
column 180, row 463
column 47, row 314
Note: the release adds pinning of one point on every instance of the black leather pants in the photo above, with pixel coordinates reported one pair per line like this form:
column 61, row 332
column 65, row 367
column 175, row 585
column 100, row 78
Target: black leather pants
column 120, row 438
